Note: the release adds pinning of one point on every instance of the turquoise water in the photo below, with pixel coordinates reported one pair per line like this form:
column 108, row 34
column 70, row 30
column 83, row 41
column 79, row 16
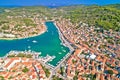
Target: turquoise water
column 47, row 43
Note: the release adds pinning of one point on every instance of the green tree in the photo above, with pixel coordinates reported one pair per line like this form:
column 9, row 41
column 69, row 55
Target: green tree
column 47, row 72
column 25, row 70
column 2, row 78
column 56, row 78
column 110, row 72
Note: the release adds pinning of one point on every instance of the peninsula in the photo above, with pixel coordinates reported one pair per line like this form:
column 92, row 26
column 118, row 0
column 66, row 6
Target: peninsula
column 24, row 22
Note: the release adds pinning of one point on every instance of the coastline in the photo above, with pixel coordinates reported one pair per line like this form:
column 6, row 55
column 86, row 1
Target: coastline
column 9, row 39
column 64, row 43
column 63, row 40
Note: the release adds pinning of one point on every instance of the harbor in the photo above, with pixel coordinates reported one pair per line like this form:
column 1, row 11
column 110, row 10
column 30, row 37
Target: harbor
column 48, row 43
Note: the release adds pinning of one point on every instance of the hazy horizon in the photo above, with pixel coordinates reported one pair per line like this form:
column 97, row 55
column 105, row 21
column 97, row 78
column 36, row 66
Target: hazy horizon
column 55, row 2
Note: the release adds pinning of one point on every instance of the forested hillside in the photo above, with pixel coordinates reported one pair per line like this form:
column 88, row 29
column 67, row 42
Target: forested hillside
column 107, row 17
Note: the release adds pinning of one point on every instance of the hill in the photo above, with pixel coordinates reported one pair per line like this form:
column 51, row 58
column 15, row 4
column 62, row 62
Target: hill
column 107, row 17
column 23, row 21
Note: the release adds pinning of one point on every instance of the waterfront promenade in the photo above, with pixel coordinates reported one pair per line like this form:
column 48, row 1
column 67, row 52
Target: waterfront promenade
column 67, row 44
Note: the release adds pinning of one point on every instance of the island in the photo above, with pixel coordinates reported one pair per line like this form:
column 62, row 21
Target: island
column 81, row 42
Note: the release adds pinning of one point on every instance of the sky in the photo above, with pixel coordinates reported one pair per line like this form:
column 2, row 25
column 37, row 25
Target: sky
column 54, row 2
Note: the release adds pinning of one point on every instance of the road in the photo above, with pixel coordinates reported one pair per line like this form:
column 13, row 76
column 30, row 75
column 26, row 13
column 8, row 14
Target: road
column 46, row 65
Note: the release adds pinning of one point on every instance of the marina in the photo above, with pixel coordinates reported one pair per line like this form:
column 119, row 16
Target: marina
column 47, row 58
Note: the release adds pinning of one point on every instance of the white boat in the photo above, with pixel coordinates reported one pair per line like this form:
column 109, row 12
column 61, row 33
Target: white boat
column 59, row 53
column 64, row 50
column 34, row 41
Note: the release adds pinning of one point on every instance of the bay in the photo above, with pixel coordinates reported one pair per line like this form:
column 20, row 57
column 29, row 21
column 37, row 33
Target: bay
column 47, row 43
